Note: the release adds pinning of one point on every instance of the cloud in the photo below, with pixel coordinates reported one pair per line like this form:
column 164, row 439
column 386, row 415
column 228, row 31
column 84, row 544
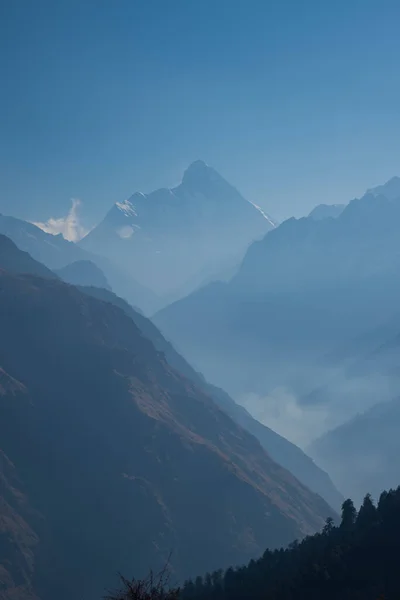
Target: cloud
column 343, row 398
column 281, row 411
column 69, row 226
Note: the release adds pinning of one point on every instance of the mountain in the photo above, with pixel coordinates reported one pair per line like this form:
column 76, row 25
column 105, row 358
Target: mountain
column 308, row 286
column 84, row 272
column 112, row 459
column 173, row 239
column 325, row 211
column 368, row 445
column 360, row 372
column 365, row 444
column 390, row 189
column 52, row 250
column 281, row 450
column 13, row 259
column 56, row 253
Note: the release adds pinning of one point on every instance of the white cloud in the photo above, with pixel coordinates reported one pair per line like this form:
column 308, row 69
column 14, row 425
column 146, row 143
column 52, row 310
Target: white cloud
column 69, row 226
column 341, row 399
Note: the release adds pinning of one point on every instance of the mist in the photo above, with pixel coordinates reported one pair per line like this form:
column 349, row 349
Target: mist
column 302, row 421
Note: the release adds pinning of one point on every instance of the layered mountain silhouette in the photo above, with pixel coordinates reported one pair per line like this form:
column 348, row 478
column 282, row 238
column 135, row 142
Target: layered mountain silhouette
column 173, row 240
column 281, row 450
column 367, row 443
column 325, row 211
column 57, row 253
column 84, row 272
column 307, row 287
column 363, row 452
column 14, row 259
column 111, row 458
column 359, row 373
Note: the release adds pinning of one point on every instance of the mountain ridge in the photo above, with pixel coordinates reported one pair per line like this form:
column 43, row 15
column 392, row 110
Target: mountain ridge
column 307, row 287
column 280, row 449
column 84, row 272
column 197, row 225
column 105, row 414
column 55, row 252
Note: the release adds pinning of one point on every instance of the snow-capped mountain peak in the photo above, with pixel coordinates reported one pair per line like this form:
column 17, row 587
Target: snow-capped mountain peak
column 171, row 236
column 126, row 207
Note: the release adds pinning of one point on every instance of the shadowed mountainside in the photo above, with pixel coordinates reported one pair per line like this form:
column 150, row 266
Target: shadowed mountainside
column 280, row 449
column 123, row 457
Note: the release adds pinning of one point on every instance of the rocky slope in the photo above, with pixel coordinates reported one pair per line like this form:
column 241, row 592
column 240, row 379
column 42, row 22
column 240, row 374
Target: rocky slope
column 121, row 458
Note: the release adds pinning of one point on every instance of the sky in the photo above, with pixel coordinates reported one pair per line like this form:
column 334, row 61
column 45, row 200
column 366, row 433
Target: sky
column 295, row 103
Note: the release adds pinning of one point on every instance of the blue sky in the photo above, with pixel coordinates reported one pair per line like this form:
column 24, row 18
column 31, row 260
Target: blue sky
column 295, row 102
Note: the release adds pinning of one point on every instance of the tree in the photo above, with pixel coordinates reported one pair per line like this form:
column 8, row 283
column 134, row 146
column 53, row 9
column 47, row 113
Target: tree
column 329, row 526
column 151, row 588
column 349, row 515
column 367, row 514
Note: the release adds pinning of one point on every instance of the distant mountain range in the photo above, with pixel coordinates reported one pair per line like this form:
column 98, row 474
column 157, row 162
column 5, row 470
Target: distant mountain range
column 111, row 458
column 93, row 282
column 15, row 260
column 308, row 286
column 281, row 450
column 84, row 272
column 366, row 444
column 363, row 452
column 173, row 240
column 325, row 211
column 57, row 253
column 90, row 383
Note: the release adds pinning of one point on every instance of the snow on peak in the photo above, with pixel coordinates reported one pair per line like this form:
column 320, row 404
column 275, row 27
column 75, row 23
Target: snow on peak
column 126, row 208
column 264, row 214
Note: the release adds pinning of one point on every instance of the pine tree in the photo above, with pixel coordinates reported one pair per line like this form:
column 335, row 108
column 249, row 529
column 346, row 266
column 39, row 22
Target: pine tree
column 349, row 515
column 367, row 514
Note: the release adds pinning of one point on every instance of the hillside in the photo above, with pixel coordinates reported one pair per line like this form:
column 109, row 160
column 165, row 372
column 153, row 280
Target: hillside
column 14, row 259
column 123, row 457
column 280, row 449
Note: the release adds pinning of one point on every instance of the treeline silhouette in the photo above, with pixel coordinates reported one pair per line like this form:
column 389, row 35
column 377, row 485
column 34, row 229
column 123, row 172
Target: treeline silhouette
column 358, row 559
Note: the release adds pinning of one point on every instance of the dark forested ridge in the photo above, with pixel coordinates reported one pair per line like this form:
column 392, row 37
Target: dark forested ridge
column 356, row 560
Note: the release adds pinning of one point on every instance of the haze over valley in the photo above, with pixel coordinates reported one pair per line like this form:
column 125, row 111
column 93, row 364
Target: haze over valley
column 199, row 300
